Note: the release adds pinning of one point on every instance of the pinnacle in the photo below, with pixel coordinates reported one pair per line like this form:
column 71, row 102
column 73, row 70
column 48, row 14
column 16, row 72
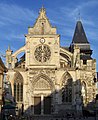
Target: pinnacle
column 42, row 10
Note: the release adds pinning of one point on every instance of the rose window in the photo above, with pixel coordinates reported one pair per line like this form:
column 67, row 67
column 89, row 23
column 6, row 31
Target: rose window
column 42, row 53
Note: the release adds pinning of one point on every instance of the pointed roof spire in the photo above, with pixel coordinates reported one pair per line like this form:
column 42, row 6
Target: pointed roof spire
column 79, row 34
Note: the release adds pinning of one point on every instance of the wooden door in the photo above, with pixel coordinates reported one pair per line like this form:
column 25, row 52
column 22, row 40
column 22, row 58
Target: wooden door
column 47, row 105
column 37, row 105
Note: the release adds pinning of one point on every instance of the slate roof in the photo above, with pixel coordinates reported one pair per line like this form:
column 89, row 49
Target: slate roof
column 79, row 34
column 85, row 57
column 22, row 59
column 66, row 48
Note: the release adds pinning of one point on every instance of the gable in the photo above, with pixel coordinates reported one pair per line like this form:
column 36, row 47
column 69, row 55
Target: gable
column 42, row 25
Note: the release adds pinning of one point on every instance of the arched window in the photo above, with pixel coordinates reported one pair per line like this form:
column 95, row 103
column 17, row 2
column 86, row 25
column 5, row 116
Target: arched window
column 18, row 87
column 67, row 91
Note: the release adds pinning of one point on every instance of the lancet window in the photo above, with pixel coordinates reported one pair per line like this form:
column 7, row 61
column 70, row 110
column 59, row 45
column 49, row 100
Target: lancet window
column 67, row 91
column 18, row 87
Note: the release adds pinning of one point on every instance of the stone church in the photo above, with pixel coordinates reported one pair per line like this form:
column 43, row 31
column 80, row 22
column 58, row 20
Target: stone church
column 50, row 79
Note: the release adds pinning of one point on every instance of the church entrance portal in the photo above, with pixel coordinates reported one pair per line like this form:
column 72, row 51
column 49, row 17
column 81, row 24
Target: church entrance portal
column 42, row 97
column 42, row 105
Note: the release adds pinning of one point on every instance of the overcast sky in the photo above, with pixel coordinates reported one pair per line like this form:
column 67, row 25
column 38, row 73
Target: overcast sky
column 17, row 15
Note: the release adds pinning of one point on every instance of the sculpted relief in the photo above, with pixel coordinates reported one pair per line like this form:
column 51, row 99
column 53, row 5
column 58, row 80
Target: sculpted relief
column 42, row 84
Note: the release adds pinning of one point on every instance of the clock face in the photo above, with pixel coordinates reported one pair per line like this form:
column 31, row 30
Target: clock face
column 42, row 40
column 42, row 53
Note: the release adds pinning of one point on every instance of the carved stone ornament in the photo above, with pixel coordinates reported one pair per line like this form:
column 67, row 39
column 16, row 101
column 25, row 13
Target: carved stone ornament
column 18, row 78
column 42, row 84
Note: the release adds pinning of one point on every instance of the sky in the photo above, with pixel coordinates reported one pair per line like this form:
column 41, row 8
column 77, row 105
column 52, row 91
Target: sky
column 17, row 15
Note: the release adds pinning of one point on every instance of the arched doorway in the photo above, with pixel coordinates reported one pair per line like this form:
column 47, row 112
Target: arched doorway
column 42, row 95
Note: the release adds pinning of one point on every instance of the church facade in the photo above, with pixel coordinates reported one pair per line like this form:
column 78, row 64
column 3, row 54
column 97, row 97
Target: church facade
column 48, row 78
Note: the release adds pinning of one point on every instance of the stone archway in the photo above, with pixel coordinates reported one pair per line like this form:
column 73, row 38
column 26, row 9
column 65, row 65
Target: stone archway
column 42, row 90
column 66, row 85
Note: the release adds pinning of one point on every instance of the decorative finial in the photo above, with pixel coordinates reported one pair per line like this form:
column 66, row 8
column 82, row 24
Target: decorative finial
column 42, row 10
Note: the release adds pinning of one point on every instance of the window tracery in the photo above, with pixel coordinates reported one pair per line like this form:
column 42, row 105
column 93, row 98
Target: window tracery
column 18, row 87
column 42, row 84
column 67, row 91
column 42, row 53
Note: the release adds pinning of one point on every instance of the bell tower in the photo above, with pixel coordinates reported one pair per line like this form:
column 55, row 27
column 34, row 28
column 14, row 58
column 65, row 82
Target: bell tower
column 42, row 42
